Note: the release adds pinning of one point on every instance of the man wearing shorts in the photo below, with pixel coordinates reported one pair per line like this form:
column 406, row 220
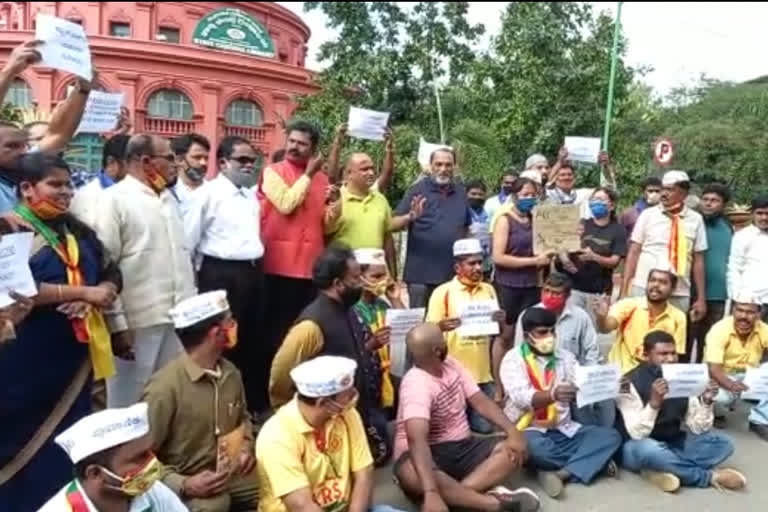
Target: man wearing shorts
column 438, row 460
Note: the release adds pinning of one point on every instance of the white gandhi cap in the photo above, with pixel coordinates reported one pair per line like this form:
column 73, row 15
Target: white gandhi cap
column 370, row 257
column 198, row 308
column 675, row 177
column 104, row 430
column 324, row 376
column 467, row 247
column 745, row 297
column 532, row 175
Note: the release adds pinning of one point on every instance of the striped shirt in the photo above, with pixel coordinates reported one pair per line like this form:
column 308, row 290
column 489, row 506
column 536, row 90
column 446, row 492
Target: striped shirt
column 440, row 400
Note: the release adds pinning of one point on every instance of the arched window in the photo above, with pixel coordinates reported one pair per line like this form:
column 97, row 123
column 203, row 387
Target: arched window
column 170, row 104
column 20, row 94
column 244, row 113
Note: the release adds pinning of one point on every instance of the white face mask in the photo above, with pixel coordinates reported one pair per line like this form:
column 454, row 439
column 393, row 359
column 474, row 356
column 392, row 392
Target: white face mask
column 653, row 198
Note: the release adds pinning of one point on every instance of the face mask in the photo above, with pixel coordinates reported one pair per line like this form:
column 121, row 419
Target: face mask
column 231, row 336
column 526, row 204
column 543, row 346
column 343, row 409
column 139, row 481
column 351, row 296
column 653, row 198
column 599, row 210
column 552, row 302
column 377, row 288
column 195, row 174
column 711, row 217
column 506, row 190
column 476, row 204
column 156, row 180
column 243, row 179
column 46, row 209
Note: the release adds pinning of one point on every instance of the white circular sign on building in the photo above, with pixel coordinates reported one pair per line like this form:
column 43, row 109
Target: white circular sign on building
column 663, row 151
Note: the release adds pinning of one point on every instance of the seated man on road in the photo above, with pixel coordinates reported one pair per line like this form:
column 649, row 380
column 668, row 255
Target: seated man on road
column 539, row 385
column 445, row 306
column 201, row 429
column 438, row 459
column 114, row 469
column 634, row 317
column 313, row 455
column 652, row 425
column 735, row 344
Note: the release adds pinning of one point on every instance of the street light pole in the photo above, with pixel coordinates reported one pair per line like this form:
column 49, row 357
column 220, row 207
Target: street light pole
column 612, row 79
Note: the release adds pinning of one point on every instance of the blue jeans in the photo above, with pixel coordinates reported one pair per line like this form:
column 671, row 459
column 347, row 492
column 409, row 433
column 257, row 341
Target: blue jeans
column 477, row 423
column 600, row 414
column 584, row 455
column 691, row 460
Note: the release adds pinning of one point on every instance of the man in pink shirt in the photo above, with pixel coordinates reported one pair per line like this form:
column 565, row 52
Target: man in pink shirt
column 438, row 459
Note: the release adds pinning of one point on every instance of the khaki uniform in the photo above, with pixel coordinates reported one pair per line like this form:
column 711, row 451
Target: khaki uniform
column 190, row 410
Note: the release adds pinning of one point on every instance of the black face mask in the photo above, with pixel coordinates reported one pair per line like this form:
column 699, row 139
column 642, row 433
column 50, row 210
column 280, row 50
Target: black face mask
column 476, row 204
column 351, row 296
column 196, row 174
column 709, row 218
column 506, row 191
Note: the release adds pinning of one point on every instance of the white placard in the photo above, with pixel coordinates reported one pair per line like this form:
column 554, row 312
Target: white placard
column 476, row 319
column 425, row 151
column 756, row 379
column 15, row 274
column 596, row 383
column 64, row 47
column 685, row 380
column 367, row 124
column 400, row 322
column 583, row 149
column 101, row 112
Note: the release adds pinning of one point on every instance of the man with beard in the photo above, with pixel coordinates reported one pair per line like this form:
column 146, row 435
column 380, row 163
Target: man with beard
column 222, row 225
column 714, row 198
column 735, row 345
column 445, row 219
column 330, row 326
column 191, row 152
column 633, row 318
column 652, row 426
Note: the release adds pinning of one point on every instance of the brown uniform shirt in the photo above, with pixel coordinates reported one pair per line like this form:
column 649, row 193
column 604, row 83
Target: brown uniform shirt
column 189, row 410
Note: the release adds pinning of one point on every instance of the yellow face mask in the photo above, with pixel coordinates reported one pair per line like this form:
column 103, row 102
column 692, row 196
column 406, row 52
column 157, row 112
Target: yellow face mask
column 138, row 482
column 377, row 288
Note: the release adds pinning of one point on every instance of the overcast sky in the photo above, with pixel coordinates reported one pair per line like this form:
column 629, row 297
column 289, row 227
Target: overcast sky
column 680, row 41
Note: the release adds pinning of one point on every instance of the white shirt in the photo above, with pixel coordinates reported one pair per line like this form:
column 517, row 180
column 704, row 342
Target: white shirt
column 83, row 204
column 158, row 498
column 652, row 232
column 223, row 221
column 183, row 193
column 748, row 263
column 143, row 233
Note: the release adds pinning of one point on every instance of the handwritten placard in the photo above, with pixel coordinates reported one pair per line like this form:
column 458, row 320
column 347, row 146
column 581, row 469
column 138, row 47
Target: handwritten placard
column 685, row 380
column 477, row 319
column 756, row 379
column 64, row 47
column 556, row 228
column 596, row 383
column 367, row 124
column 15, row 274
column 400, row 322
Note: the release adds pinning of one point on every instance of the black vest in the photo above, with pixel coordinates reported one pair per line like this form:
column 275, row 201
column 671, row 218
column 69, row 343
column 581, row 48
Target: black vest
column 672, row 413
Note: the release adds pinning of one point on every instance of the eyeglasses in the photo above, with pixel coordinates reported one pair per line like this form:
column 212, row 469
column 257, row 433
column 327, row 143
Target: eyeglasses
column 244, row 160
column 170, row 158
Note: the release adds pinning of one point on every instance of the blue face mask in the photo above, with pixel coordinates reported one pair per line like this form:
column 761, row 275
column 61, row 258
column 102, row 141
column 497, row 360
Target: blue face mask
column 526, row 204
column 599, row 210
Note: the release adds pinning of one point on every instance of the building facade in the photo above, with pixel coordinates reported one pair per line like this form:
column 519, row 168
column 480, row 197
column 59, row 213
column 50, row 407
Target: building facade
column 215, row 68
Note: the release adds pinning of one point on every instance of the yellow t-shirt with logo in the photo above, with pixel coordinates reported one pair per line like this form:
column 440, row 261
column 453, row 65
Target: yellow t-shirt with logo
column 726, row 348
column 474, row 353
column 291, row 455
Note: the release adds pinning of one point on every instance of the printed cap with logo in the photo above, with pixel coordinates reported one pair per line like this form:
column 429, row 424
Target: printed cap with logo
column 198, row 308
column 674, row 177
column 324, row 376
column 467, row 247
column 104, row 430
column 370, row 257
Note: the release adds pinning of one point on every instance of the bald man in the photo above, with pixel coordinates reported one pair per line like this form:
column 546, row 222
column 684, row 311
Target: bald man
column 366, row 220
column 438, row 459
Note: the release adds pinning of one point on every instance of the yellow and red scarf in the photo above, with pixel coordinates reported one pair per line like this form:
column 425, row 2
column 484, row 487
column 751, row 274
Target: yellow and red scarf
column 678, row 242
column 544, row 417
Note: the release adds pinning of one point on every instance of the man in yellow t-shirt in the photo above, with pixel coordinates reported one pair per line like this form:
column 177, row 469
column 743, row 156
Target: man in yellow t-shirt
column 313, row 452
column 735, row 345
column 446, row 306
column 635, row 317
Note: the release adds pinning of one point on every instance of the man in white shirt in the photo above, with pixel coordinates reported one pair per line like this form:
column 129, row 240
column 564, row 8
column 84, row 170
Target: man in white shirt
column 222, row 226
column 191, row 152
column 138, row 222
column 115, row 471
column 494, row 203
column 675, row 232
column 749, row 257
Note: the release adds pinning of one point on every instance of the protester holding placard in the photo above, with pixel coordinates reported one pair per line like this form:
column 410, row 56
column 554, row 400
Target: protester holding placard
column 656, row 445
column 736, row 344
column 66, row 327
column 538, row 380
column 445, row 309
column 517, row 269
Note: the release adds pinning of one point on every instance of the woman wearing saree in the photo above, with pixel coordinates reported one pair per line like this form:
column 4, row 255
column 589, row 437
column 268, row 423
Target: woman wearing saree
column 46, row 371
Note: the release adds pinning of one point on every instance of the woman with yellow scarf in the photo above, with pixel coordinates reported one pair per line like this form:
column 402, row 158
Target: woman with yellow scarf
column 46, row 371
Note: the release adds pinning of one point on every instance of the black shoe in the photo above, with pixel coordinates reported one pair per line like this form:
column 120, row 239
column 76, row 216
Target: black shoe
column 760, row 430
column 720, row 422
